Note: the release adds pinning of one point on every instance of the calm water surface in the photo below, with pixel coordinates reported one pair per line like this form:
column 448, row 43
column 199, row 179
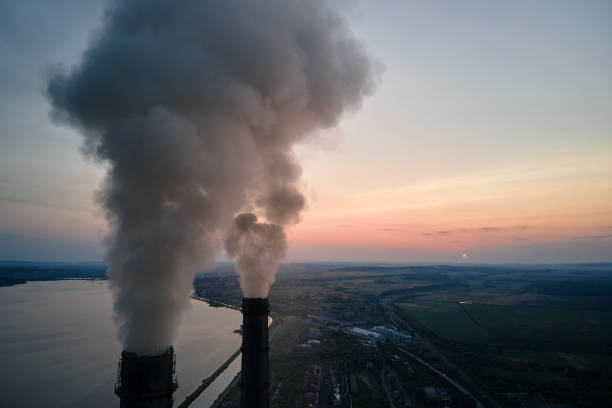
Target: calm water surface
column 58, row 346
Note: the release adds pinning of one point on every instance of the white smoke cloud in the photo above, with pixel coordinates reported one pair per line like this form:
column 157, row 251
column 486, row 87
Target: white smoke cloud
column 195, row 107
column 258, row 247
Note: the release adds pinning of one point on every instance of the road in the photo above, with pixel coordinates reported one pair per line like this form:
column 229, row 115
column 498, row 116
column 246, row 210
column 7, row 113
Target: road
column 384, row 383
column 446, row 361
column 443, row 375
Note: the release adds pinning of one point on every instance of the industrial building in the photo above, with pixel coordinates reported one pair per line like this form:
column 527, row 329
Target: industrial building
column 393, row 335
column 437, row 396
column 314, row 343
column 314, row 333
column 367, row 333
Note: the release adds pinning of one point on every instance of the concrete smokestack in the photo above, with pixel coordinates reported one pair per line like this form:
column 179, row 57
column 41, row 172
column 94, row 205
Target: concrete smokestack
column 255, row 376
column 146, row 381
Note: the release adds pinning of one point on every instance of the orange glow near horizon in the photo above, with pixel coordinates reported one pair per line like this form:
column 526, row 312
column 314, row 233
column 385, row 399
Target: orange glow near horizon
column 469, row 212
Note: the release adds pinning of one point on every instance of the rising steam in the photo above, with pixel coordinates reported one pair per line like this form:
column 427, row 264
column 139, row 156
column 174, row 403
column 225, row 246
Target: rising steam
column 195, row 107
column 258, row 247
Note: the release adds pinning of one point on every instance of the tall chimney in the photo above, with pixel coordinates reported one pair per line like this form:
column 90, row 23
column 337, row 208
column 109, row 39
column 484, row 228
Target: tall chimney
column 146, row 381
column 255, row 376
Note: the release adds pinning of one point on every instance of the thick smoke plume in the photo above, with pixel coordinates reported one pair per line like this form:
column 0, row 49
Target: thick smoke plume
column 258, row 247
column 195, row 107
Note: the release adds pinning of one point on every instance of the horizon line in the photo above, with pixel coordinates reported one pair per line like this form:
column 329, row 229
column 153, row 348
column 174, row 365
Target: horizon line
column 373, row 263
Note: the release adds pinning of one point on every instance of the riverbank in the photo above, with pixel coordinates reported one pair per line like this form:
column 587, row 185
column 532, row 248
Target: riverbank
column 192, row 399
column 215, row 303
column 209, row 380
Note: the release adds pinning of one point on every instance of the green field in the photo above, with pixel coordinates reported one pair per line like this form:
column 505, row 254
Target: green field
column 446, row 320
column 517, row 326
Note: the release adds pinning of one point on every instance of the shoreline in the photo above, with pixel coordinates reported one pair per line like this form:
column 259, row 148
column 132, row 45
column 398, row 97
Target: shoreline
column 209, row 380
column 206, row 382
column 8, row 282
column 223, row 394
column 215, row 303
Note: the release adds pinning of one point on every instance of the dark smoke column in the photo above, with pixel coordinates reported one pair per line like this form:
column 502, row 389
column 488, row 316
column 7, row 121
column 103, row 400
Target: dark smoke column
column 146, row 382
column 255, row 376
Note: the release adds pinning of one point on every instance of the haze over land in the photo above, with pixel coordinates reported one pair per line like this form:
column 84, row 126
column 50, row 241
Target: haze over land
column 489, row 135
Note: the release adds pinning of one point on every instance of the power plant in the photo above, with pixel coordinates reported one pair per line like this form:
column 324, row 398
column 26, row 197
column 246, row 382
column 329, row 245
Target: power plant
column 146, row 381
column 255, row 376
column 150, row 381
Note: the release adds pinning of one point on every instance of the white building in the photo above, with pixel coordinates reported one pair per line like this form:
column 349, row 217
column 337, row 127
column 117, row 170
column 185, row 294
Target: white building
column 393, row 334
column 314, row 343
column 367, row 333
column 314, row 333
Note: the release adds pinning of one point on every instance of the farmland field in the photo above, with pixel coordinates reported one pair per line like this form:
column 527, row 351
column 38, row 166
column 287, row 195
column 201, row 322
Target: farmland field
column 446, row 320
column 517, row 326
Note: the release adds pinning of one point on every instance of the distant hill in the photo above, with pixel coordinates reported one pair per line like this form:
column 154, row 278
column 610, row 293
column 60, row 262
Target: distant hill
column 18, row 272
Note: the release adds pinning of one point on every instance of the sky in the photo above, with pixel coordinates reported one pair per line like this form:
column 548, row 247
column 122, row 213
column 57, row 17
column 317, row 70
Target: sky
column 488, row 139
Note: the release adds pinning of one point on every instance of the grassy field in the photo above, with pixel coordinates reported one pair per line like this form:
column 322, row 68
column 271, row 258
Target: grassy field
column 548, row 328
column 517, row 326
column 446, row 320
column 563, row 353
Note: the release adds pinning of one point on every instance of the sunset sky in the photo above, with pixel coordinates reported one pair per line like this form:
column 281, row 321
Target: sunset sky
column 488, row 139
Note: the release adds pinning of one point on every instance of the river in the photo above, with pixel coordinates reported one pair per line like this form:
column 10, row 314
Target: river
column 58, row 346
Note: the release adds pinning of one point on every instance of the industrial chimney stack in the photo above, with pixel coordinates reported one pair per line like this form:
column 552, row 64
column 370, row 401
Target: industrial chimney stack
column 255, row 377
column 146, row 381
